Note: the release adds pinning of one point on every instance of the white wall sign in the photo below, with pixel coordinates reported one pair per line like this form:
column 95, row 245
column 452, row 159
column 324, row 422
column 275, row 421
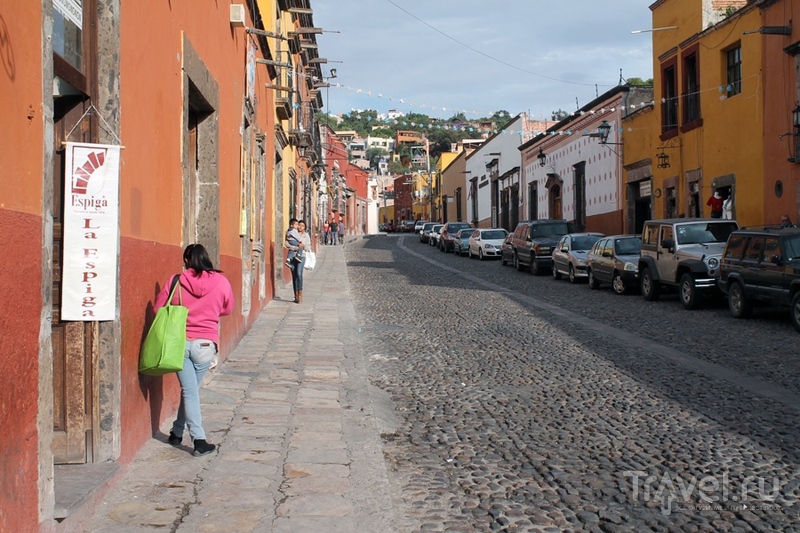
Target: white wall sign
column 72, row 10
column 91, row 231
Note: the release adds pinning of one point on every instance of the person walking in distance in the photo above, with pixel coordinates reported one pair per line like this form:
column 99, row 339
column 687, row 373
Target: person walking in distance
column 326, row 230
column 342, row 231
column 297, row 269
column 208, row 296
column 334, row 232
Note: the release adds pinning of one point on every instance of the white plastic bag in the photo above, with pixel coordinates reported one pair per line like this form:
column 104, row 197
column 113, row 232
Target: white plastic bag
column 311, row 261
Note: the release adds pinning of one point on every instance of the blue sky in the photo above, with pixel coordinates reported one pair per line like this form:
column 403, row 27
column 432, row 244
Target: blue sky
column 479, row 56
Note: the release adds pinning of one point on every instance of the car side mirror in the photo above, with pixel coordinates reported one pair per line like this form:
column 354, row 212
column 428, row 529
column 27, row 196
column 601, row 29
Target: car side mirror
column 606, row 254
column 778, row 260
column 669, row 244
column 565, row 249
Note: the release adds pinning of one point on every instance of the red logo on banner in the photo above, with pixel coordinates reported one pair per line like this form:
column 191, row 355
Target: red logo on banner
column 82, row 174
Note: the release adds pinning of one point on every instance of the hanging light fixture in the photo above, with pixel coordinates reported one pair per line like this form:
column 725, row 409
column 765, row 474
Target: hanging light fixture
column 542, row 157
column 663, row 160
column 604, row 129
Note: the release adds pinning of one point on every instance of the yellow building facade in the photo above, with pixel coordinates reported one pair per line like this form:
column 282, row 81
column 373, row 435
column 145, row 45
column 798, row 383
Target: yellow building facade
column 708, row 113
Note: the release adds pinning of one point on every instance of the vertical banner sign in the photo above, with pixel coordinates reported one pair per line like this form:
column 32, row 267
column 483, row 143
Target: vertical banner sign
column 91, row 212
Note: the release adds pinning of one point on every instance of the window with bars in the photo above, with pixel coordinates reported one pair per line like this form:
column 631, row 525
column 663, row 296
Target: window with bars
column 734, row 57
column 691, row 88
column 669, row 107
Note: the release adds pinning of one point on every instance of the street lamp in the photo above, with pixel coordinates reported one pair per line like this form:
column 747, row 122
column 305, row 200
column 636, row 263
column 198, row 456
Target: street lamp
column 603, row 130
column 328, row 94
column 542, row 157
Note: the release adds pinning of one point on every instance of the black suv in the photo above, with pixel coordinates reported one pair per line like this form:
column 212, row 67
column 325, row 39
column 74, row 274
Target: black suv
column 762, row 266
column 533, row 242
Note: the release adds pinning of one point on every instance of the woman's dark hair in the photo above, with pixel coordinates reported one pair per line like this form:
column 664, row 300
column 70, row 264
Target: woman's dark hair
column 196, row 257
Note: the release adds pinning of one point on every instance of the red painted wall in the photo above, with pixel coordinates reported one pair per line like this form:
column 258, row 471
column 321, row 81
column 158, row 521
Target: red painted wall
column 19, row 380
column 21, row 261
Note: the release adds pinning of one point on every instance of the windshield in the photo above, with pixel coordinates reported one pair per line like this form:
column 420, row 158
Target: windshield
column 464, row 234
column 556, row 229
column 437, row 227
column 494, row 234
column 427, row 227
column 792, row 245
column 584, row 242
column 453, row 228
column 630, row 246
column 704, row 232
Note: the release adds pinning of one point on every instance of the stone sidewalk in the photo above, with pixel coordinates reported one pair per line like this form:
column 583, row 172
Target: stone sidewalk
column 295, row 420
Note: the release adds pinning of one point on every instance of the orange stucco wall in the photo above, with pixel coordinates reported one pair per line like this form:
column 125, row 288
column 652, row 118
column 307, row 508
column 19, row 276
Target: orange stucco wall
column 780, row 95
column 20, row 263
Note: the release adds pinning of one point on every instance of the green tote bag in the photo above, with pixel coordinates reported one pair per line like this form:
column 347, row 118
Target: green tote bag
column 165, row 345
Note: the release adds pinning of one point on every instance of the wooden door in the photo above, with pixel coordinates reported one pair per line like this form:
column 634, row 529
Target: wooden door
column 73, row 342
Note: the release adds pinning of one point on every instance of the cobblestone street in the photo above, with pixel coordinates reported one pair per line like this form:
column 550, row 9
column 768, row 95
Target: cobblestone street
column 529, row 404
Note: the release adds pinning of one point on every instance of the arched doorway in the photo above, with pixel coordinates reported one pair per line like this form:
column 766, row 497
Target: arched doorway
column 555, row 186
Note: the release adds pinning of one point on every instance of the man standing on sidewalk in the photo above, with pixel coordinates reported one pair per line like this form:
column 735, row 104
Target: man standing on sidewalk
column 342, row 230
column 334, row 231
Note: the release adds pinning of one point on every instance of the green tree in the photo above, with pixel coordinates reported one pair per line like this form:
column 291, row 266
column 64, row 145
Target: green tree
column 639, row 82
column 374, row 156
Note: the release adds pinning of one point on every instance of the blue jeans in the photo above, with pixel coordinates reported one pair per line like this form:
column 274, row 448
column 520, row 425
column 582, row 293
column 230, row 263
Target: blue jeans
column 297, row 274
column 198, row 356
column 334, row 237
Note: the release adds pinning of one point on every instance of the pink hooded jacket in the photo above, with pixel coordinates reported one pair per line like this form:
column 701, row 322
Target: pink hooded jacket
column 208, row 297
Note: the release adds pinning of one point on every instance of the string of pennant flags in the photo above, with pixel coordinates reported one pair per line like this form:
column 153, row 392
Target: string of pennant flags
column 724, row 90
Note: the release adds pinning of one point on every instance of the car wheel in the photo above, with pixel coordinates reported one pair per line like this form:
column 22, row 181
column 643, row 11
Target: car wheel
column 650, row 288
column 689, row 296
column 532, row 266
column 593, row 283
column 572, row 278
column 556, row 273
column 517, row 264
column 617, row 284
column 480, row 254
column 738, row 304
column 795, row 310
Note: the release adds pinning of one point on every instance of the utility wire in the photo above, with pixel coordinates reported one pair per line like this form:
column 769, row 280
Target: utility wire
column 437, row 30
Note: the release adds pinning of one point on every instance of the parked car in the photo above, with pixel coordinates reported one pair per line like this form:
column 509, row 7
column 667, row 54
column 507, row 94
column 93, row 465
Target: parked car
column 507, row 250
column 433, row 236
column 407, row 226
column 424, row 233
column 614, row 261
column 569, row 255
column 533, row 243
column 461, row 242
column 683, row 254
column 486, row 242
column 448, row 234
column 762, row 267
column 418, row 226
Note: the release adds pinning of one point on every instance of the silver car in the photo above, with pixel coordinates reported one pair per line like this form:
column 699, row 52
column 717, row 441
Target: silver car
column 569, row 255
column 433, row 236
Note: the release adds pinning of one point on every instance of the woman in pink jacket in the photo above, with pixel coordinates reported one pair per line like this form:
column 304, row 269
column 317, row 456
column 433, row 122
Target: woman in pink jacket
column 208, row 295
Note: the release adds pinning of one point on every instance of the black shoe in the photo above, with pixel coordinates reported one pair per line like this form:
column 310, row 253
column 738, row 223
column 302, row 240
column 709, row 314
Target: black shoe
column 201, row 447
column 174, row 440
